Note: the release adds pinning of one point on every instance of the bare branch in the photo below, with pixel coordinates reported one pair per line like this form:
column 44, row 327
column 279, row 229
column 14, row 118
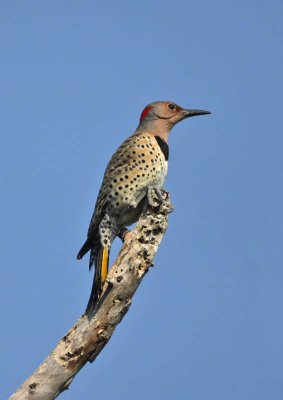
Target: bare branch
column 90, row 334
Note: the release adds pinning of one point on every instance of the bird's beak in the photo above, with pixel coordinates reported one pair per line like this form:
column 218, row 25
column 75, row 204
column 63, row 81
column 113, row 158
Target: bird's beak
column 193, row 113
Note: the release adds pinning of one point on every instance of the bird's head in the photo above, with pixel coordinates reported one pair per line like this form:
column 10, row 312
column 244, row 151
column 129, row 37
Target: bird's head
column 163, row 115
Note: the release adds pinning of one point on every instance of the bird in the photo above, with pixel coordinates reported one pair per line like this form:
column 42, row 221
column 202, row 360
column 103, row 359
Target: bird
column 136, row 168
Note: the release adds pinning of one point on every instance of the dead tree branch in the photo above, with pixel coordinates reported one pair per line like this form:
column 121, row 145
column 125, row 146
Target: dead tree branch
column 90, row 334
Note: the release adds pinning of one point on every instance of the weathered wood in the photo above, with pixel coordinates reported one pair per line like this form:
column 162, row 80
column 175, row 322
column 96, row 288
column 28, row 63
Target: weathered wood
column 90, row 334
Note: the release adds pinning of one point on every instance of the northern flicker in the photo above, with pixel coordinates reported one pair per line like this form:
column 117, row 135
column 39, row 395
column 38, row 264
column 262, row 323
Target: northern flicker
column 139, row 165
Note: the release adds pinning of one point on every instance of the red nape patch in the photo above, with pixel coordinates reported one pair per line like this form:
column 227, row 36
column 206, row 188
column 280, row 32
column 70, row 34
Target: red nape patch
column 145, row 113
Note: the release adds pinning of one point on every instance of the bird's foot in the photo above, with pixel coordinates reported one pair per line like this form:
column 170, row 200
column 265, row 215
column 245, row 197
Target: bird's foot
column 122, row 233
column 156, row 196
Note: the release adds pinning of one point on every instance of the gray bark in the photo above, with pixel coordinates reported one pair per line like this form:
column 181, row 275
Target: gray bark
column 90, row 334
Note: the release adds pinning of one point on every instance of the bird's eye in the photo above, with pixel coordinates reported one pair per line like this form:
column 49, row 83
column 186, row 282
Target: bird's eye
column 171, row 106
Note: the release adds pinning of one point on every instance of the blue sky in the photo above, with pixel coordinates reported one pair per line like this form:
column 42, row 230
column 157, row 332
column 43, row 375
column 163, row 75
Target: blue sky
column 207, row 320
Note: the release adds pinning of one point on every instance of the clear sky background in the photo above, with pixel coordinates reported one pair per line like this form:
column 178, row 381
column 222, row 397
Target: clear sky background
column 207, row 321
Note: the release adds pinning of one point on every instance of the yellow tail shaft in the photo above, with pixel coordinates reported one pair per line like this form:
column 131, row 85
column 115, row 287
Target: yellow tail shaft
column 104, row 267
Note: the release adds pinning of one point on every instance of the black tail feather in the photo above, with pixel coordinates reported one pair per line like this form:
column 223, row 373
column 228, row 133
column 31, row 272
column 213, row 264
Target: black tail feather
column 96, row 255
column 85, row 248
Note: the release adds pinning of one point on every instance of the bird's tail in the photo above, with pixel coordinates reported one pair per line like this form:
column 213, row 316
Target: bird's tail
column 99, row 257
column 85, row 248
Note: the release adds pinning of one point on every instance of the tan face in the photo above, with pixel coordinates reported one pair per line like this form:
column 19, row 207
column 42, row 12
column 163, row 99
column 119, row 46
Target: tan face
column 168, row 112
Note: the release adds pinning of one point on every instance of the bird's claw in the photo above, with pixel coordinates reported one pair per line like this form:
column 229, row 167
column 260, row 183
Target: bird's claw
column 122, row 233
column 155, row 196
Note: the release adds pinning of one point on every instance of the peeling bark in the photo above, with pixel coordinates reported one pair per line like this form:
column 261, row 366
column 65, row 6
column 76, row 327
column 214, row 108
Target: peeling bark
column 90, row 334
